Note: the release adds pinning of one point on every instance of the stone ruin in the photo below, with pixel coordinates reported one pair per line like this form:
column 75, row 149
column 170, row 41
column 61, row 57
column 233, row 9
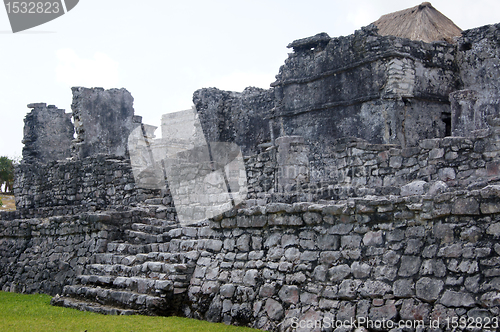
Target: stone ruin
column 372, row 169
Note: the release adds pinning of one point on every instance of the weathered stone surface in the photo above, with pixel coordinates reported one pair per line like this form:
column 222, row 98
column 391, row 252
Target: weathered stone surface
column 385, row 312
column 348, row 289
column 373, row 238
column 413, row 311
column 457, row 299
column 338, row 273
column 467, row 205
column 409, row 266
column 374, row 289
column 274, row 309
column 48, row 133
column 403, row 288
column 428, row 289
column 414, row 188
column 95, row 113
column 289, row 294
column 360, row 270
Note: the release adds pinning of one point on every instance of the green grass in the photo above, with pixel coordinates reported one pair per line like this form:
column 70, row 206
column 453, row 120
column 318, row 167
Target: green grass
column 20, row 312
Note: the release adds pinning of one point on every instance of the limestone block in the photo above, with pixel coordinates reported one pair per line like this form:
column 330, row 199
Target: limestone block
column 413, row 188
column 429, row 289
column 457, row 299
column 289, row 294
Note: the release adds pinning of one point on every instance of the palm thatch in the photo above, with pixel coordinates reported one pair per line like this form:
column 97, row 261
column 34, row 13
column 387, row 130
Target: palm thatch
column 422, row 22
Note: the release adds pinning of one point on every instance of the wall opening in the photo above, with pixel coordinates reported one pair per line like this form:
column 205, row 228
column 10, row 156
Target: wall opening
column 446, row 117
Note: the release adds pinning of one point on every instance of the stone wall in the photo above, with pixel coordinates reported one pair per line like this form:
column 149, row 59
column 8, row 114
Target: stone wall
column 206, row 181
column 44, row 255
column 241, row 118
column 48, row 134
column 355, row 168
column 103, row 121
column 456, row 161
column 261, row 172
column 379, row 88
column 73, row 186
column 382, row 89
column 60, row 174
column 478, row 56
column 414, row 258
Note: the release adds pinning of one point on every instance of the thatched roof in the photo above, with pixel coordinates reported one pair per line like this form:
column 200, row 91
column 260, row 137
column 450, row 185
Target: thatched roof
column 422, row 22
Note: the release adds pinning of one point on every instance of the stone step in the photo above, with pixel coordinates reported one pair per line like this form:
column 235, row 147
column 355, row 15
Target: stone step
column 138, row 237
column 135, row 284
column 146, row 269
column 130, row 260
column 151, row 229
column 96, row 280
column 82, row 305
column 125, row 248
column 168, row 224
column 118, row 298
column 174, row 245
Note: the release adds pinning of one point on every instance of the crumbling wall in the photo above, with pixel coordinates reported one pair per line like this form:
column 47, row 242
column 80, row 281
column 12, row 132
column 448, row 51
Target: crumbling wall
column 458, row 162
column 415, row 259
column 261, row 172
column 98, row 175
column 241, row 118
column 478, row 58
column 382, row 89
column 380, row 232
column 80, row 185
column 103, row 121
column 48, row 133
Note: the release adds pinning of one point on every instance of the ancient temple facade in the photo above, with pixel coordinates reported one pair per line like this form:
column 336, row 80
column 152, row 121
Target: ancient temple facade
column 362, row 186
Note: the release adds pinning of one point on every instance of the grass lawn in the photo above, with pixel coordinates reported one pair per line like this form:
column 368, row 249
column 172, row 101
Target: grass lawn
column 20, row 312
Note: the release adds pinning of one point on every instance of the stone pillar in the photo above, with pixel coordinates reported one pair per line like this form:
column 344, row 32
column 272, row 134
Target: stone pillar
column 293, row 162
column 48, row 133
column 103, row 121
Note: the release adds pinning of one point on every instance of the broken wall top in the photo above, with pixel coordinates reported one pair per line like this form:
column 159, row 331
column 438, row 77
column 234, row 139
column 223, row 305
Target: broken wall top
column 103, row 121
column 315, row 58
column 48, row 133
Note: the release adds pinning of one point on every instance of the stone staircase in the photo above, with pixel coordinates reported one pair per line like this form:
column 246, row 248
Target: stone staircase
column 144, row 272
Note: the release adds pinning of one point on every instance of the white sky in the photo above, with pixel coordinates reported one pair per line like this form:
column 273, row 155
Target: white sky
column 162, row 51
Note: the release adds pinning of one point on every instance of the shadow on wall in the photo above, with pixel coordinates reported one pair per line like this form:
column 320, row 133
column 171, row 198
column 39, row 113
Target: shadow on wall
column 205, row 178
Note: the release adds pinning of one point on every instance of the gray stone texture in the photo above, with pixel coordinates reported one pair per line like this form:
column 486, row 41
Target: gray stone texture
column 48, row 133
column 103, row 121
